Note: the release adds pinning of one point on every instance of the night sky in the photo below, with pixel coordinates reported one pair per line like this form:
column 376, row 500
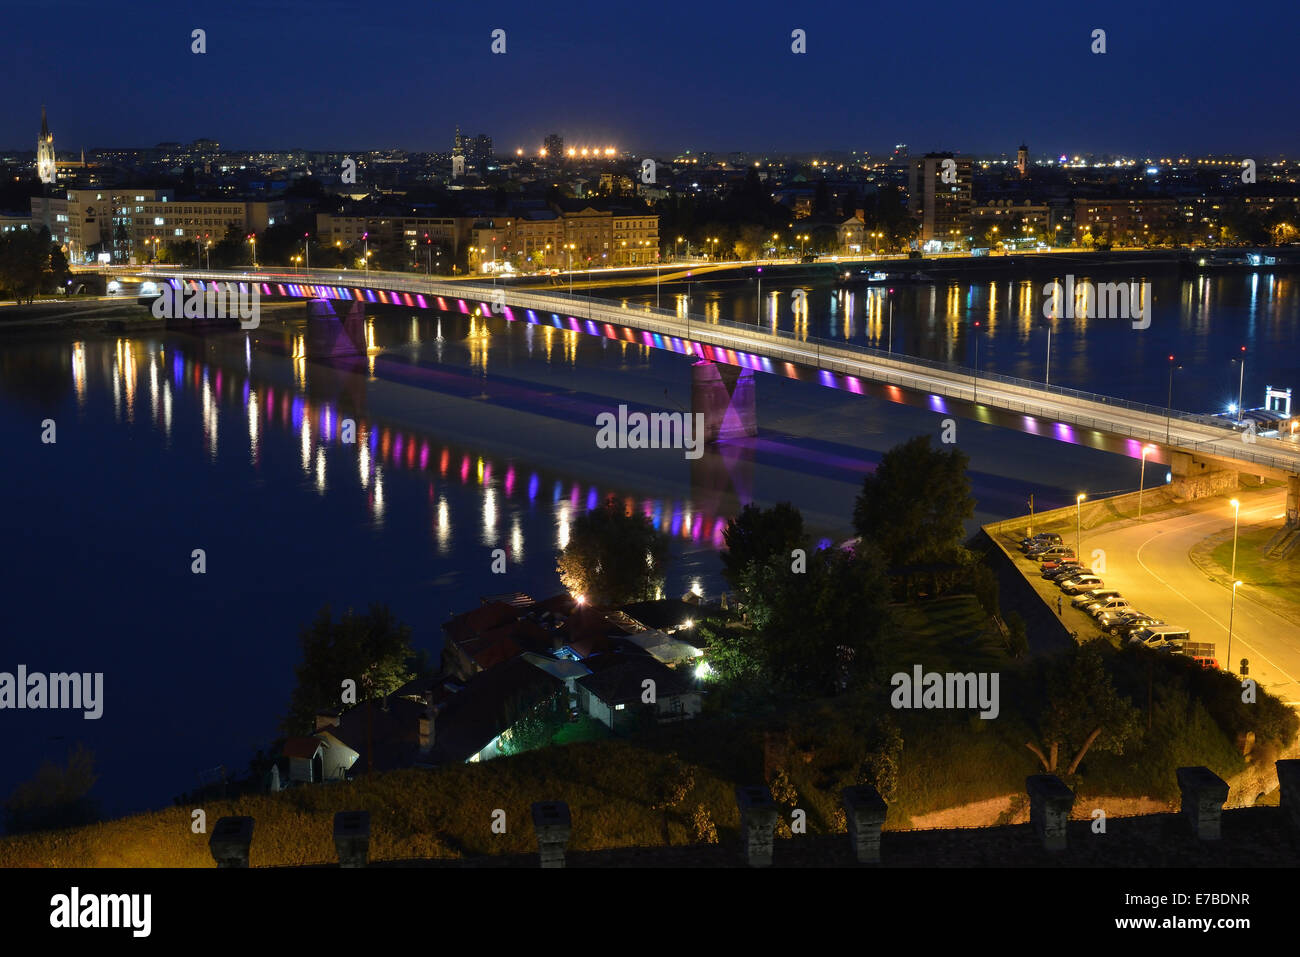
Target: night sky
column 1192, row 77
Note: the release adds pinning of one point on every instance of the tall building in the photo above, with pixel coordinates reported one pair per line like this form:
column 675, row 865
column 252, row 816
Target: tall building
column 480, row 151
column 45, row 166
column 939, row 196
column 1022, row 159
column 554, row 145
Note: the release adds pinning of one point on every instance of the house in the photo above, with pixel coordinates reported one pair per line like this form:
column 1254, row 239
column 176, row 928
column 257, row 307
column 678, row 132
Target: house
column 318, row 757
column 470, row 724
column 666, row 615
column 671, row 650
column 616, row 691
column 305, row 762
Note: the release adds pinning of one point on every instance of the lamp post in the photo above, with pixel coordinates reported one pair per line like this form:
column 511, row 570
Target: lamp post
column 1078, row 525
column 365, row 238
column 1232, row 610
column 1142, row 476
column 252, row 239
column 976, row 380
column 1241, row 381
column 306, row 249
column 657, row 265
column 1047, row 373
column 1236, row 513
column 758, row 321
column 891, row 322
column 1169, row 402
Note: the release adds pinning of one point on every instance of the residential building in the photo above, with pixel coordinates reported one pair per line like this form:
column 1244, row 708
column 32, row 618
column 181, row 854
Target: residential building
column 623, row 687
column 1126, row 222
column 939, row 196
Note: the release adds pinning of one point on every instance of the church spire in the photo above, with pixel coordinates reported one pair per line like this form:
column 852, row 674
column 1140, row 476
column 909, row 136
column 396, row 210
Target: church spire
column 45, row 124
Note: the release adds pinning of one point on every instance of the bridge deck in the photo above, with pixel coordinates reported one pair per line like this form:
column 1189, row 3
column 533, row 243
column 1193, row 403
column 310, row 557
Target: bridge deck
column 754, row 348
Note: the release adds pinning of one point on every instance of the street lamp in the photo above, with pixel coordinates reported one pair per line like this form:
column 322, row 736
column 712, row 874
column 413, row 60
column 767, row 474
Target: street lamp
column 306, row 247
column 1169, row 402
column 365, row 238
column 1241, row 381
column 1232, row 610
column 1236, row 513
column 891, row 322
column 252, row 239
column 1142, row 476
column 976, row 381
column 1078, row 525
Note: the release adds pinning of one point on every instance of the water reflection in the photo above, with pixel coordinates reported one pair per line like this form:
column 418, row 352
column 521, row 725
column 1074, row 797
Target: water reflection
column 189, row 389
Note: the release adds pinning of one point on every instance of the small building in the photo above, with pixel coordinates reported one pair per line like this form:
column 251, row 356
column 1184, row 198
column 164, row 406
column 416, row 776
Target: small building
column 306, row 761
column 616, row 692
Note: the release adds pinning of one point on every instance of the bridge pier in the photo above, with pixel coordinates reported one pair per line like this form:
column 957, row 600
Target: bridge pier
column 1197, row 478
column 330, row 336
column 725, row 395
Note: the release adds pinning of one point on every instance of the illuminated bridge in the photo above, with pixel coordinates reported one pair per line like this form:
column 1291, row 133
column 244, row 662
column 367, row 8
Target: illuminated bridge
column 1204, row 452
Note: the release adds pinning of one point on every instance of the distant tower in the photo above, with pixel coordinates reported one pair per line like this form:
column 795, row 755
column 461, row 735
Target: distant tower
column 1022, row 159
column 458, row 156
column 45, row 151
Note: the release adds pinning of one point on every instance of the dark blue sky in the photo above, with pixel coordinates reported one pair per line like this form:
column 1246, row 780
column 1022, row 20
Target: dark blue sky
column 1188, row 76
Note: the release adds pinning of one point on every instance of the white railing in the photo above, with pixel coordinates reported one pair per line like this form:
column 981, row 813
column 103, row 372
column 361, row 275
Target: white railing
column 1084, row 410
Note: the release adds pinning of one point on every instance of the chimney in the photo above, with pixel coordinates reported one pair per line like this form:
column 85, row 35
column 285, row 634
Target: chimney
column 326, row 719
column 352, row 838
column 757, row 821
column 427, row 722
column 551, row 823
column 231, row 840
column 1050, row 802
column 860, row 215
column 1288, row 780
column 1204, row 794
column 865, row 810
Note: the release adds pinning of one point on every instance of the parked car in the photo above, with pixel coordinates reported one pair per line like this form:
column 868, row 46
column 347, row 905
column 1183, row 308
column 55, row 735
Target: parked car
column 1086, row 603
column 1202, row 652
column 1080, row 584
column 1066, row 572
column 1065, row 569
column 1111, row 607
column 1166, row 636
column 1130, row 621
column 1054, row 563
column 1055, row 553
column 1092, row 593
column 1042, row 538
column 1039, row 547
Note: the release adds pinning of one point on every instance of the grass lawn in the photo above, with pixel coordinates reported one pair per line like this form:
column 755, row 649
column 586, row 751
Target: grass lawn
column 946, row 634
column 586, row 728
column 1280, row 574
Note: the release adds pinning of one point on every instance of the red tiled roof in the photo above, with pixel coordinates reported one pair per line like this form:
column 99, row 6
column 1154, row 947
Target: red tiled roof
column 301, row 747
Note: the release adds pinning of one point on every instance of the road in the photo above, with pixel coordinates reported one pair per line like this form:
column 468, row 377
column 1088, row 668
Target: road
column 1150, row 564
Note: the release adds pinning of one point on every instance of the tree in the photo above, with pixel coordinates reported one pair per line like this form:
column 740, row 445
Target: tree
column 913, row 506
column 30, row 263
column 373, row 650
column 1083, row 710
column 56, row 797
column 614, row 556
column 758, row 534
column 535, row 729
column 815, row 632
